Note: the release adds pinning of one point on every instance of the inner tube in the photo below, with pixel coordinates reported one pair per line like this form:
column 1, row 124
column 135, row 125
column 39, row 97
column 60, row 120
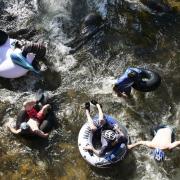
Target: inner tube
column 149, row 81
column 8, row 69
column 47, row 124
column 115, row 155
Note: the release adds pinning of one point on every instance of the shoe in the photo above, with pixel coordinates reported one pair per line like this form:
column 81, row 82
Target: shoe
column 87, row 106
column 94, row 102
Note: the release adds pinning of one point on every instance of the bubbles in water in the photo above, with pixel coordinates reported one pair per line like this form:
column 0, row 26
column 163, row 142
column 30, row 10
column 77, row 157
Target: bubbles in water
column 102, row 85
column 66, row 64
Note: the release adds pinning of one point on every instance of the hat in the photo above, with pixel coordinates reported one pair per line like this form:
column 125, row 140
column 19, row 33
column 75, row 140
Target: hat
column 109, row 135
column 3, row 37
column 24, row 126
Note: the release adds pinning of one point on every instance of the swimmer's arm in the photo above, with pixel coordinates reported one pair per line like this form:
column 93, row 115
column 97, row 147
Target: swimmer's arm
column 174, row 144
column 41, row 134
column 14, row 131
column 146, row 143
column 95, row 151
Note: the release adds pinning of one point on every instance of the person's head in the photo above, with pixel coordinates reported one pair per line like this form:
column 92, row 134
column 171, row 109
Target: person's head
column 109, row 135
column 3, row 37
column 132, row 74
column 28, row 105
column 158, row 154
column 24, row 126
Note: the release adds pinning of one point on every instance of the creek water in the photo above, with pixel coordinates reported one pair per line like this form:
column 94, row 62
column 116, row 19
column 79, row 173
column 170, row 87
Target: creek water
column 137, row 36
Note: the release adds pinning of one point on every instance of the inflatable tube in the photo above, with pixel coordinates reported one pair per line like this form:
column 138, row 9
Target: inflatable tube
column 149, row 82
column 8, row 69
column 46, row 126
column 20, row 60
column 115, row 155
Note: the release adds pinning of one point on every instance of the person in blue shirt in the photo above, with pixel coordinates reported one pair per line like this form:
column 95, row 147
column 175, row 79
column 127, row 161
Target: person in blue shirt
column 124, row 83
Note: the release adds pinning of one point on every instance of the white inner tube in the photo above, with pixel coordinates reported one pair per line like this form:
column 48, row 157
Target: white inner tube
column 111, row 157
column 7, row 68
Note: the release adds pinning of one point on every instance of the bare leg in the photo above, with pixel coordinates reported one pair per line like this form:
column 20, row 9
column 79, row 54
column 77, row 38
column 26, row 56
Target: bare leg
column 90, row 121
column 45, row 109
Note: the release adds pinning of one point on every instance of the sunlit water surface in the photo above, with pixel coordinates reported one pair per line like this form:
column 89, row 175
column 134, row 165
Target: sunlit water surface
column 138, row 36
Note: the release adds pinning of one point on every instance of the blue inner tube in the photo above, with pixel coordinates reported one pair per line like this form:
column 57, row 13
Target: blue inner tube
column 149, row 82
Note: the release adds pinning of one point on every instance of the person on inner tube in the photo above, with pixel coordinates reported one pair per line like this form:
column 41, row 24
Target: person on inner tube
column 109, row 139
column 37, row 49
column 100, row 121
column 35, row 118
column 123, row 84
column 100, row 124
column 164, row 139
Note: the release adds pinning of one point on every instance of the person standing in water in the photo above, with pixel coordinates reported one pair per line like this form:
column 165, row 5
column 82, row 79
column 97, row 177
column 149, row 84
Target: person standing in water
column 164, row 139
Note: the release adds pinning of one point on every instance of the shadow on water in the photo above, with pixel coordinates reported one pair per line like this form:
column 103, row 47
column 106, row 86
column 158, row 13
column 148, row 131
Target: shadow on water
column 124, row 170
column 48, row 80
column 79, row 9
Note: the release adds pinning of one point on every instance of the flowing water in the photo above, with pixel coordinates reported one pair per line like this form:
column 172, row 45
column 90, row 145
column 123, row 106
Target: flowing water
column 138, row 36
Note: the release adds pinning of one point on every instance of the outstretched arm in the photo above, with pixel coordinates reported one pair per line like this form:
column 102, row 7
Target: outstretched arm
column 174, row 144
column 14, row 131
column 146, row 143
column 95, row 151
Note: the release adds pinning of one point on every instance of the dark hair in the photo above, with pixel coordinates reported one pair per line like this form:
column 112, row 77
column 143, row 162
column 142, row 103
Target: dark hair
column 3, row 37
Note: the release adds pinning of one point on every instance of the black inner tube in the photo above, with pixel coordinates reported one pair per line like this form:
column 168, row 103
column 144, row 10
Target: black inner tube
column 149, row 81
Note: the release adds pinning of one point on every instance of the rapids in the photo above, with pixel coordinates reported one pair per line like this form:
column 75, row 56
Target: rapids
column 138, row 36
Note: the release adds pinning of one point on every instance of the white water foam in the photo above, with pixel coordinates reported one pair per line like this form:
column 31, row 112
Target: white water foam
column 66, row 64
column 102, row 85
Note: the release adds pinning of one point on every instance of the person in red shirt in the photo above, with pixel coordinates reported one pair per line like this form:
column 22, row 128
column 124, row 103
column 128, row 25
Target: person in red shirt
column 35, row 118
